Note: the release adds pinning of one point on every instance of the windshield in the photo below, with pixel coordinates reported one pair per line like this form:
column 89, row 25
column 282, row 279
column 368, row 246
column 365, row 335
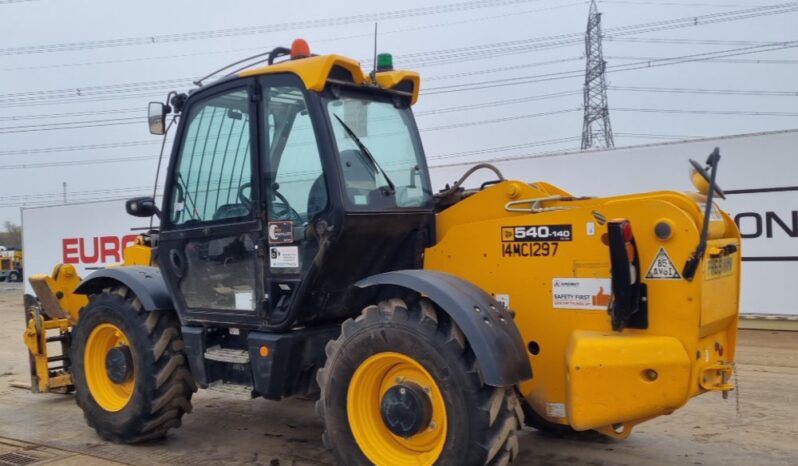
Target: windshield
column 379, row 153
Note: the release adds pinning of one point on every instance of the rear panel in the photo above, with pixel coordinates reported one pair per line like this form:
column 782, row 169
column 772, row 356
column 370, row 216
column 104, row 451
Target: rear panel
column 552, row 267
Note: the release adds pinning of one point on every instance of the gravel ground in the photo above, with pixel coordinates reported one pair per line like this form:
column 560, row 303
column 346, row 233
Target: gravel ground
column 220, row 430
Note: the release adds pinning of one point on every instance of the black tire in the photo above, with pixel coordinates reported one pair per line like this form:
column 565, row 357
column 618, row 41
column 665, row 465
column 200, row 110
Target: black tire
column 482, row 420
column 13, row 277
column 163, row 385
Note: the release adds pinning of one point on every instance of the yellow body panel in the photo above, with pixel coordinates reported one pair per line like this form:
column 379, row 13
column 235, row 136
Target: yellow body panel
column 315, row 71
column 55, row 292
column 58, row 311
column 608, row 376
column 391, row 79
column 35, row 338
column 138, row 253
column 699, row 315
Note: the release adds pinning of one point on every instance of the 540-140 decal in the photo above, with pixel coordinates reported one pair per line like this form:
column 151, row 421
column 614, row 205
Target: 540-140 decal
column 534, row 240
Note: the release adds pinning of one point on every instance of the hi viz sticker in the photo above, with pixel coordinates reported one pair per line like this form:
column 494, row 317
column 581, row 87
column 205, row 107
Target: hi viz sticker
column 662, row 267
column 581, row 293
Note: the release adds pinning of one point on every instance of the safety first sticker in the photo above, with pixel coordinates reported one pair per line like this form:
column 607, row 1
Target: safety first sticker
column 581, row 293
column 662, row 267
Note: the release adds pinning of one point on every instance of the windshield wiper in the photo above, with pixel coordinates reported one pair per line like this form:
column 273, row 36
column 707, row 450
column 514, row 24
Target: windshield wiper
column 367, row 153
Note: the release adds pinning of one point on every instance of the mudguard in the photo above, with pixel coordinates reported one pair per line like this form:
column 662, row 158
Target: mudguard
column 146, row 283
column 486, row 324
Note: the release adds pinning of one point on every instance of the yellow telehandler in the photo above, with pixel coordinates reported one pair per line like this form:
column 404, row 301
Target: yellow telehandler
column 301, row 251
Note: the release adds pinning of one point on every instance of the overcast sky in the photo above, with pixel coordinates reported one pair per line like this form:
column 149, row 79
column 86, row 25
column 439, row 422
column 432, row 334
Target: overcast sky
column 100, row 62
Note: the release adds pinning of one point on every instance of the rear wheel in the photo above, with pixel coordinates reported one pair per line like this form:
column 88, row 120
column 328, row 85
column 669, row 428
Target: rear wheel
column 401, row 387
column 130, row 374
column 13, row 277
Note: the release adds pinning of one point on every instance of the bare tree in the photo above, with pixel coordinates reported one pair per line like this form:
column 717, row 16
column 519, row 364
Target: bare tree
column 12, row 236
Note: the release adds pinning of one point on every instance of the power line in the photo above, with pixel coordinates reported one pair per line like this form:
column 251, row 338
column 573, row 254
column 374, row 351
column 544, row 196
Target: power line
column 690, row 4
column 437, row 57
column 497, row 103
column 661, row 40
column 116, row 111
column 481, row 19
column 738, row 61
column 47, row 150
column 60, row 194
column 676, row 90
column 24, row 166
column 656, row 136
column 83, row 200
column 492, row 150
column 71, row 125
column 84, row 99
column 615, row 68
column 748, row 92
column 75, row 125
column 501, row 69
column 250, row 30
column 500, row 120
column 705, row 112
column 471, row 86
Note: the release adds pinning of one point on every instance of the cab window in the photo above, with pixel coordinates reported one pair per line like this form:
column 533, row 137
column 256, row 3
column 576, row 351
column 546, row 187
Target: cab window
column 379, row 153
column 213, row 178
column 298, row 191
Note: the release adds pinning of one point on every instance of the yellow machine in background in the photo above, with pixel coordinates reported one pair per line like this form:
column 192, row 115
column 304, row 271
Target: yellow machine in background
column 430, row 326
column 11, row 265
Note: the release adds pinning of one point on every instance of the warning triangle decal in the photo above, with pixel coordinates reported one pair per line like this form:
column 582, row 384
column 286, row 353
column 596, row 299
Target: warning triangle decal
column 662, row 267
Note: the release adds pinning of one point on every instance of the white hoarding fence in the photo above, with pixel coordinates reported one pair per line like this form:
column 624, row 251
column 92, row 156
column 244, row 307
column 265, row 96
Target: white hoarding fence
column 88, row 236
column 759, row 173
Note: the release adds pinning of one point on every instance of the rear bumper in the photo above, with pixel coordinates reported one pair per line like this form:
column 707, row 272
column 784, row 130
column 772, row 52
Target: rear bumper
column 614, row 379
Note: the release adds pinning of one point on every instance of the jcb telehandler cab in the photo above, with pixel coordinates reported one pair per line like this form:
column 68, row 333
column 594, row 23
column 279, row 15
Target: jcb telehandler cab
column 301, row 251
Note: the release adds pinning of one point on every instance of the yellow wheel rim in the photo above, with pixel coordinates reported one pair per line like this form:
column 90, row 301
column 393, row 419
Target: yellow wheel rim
column 371, row 380
column 109, row 395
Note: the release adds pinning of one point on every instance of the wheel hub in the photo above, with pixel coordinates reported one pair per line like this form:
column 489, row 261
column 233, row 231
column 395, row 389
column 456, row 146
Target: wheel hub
column 406, row 409
column 119, row 364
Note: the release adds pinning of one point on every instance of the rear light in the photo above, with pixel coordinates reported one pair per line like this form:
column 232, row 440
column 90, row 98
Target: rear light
column 627, row 307
column 626, row 229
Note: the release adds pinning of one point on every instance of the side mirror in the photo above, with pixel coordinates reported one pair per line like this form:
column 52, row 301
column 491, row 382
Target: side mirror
column 156, row 117
column 142, row 207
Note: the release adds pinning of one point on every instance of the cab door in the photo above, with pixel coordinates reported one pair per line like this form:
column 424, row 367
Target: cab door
column 211, row 230
column 295, row 195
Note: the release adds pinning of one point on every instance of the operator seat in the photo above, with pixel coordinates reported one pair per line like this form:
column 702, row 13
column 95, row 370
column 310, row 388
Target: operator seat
column 231, row 211
column 358, row 179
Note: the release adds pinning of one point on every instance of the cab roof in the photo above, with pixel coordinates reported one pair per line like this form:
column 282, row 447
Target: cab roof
column 316, row 71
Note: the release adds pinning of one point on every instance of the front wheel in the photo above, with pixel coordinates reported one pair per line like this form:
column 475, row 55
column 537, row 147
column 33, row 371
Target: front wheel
column 401, row 387
column 13, row 277
column 130, row 374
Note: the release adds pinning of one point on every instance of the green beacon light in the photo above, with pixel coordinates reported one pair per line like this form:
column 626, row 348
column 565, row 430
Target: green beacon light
column 384, row 62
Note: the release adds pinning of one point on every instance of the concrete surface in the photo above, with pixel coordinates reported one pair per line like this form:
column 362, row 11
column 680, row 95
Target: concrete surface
column 222, row 431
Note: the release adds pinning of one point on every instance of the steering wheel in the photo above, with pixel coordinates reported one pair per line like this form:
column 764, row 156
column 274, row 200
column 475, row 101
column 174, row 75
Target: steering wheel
column 243, row 198
column 283, row 209
column 702, row 171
